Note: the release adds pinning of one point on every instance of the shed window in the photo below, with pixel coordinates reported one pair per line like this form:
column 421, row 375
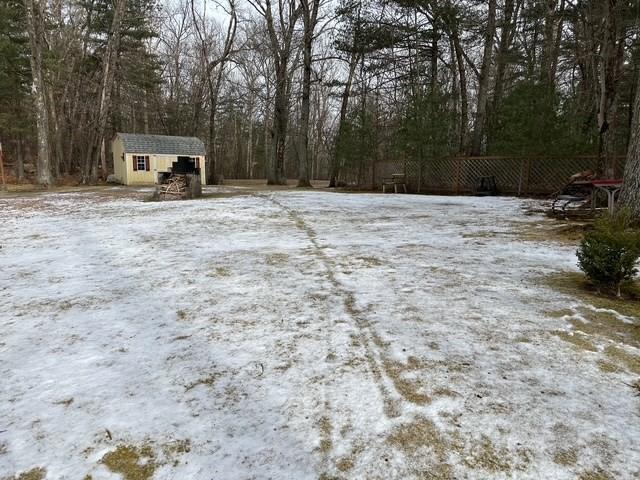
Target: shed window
column 141, row 162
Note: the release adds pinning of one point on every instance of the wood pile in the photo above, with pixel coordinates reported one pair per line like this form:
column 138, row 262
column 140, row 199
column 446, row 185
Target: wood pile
column 175, row 188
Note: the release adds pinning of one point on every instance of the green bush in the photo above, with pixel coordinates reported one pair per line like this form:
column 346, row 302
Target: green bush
column 609, row 253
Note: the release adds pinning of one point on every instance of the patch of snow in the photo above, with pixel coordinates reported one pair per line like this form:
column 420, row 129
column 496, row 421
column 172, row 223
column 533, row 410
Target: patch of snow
column 293, row 334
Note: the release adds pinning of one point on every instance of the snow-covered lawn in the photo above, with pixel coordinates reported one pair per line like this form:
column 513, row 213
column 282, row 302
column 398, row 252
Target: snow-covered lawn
column 301, row 335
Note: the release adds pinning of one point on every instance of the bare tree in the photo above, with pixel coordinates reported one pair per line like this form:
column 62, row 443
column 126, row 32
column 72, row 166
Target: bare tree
column 281, row 33
column 35, row 26
column 104, row 106
column 214, row 72
column 630, row 195
column 310, row 20
column 483, row 81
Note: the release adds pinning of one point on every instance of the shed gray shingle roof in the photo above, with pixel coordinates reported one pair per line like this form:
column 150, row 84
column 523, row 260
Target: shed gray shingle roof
column 161, row 144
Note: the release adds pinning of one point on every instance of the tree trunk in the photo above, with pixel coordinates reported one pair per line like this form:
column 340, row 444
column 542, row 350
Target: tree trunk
column 276, row 174
column 108, row 75
column 464, row 102
column 344, row 105
column 483, row 88
column 611, row 56
column 19, row 159
column 630, row 195
column 309, row 16
column 35, row 27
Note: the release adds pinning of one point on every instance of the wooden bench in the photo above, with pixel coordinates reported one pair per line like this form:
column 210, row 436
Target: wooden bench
column 395, row 180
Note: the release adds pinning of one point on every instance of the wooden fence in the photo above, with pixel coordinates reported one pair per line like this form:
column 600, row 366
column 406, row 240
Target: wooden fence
column 514, row 175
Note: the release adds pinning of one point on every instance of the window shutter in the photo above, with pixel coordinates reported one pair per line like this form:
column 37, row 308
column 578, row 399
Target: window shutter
column 135, row 163
column 147, row 163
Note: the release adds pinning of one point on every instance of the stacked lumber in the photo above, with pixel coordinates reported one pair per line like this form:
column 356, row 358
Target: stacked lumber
column 174, row 188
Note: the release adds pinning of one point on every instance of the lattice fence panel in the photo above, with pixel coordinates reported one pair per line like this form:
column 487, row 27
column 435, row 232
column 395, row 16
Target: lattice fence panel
column 507, row 172
column 548, row 175
column 514, row 175
column 439, row 174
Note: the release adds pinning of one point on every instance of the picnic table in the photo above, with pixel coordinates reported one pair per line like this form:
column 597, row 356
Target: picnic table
column 583, row 194
column 611, row 187
column 395, row 180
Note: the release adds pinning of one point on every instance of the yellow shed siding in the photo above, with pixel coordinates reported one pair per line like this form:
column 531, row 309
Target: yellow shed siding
column 119, row 163
column 141, row 177
column 123, row 165
column 157, row 164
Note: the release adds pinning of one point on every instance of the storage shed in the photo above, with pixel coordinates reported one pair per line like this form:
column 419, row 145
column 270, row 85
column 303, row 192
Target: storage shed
column 149, row 159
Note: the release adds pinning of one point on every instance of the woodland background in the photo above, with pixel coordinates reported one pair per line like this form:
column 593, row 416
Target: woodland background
column 314, row 89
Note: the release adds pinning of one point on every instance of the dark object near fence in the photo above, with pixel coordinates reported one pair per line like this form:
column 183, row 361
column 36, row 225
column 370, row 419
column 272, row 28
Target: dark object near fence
column 574, row 200
column 486, row 186
column 397, row 181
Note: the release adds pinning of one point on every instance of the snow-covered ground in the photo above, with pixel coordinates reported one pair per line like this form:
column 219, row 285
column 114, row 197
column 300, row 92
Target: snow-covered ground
column 299, row 335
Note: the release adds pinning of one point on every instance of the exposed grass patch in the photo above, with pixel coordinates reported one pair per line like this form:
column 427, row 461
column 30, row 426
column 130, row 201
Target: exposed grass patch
column 606, row 324
column 132, row 462
column 326, row 427
column 577, row 340
column 421, row 433
column 222, row 272
column 33, row 474
column 565, row 312
column 597, row 474
column 608, row 367
column 481, row 234
column 345, row 464
column 621, row 357
column 566, row 457
column 207, row 381
column 445, row 392
column 275, row 259
column 568, row 233
column 370, row 261
column 576, row 285
column 486, row 456
column 409, row 389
